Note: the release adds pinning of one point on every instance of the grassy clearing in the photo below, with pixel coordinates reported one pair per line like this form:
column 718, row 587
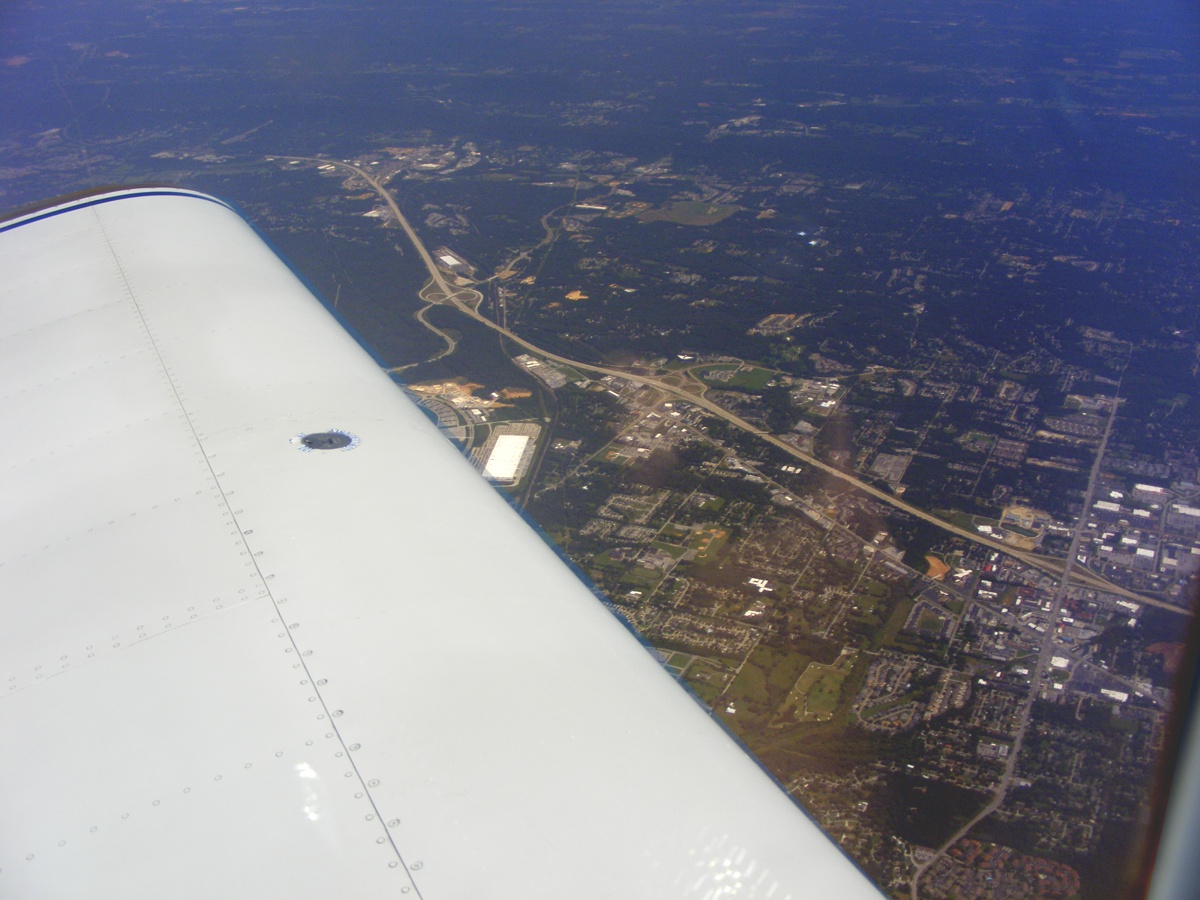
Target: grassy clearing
column 690, row 212
column 930, row 622
column 642, row 577
column 750, row 686
column 747, row 378
column 679, row 660
column 670, row 549
column 707, row 543
column 706, row 680
column 815, row 696
column 674, row 532
column 887, row 635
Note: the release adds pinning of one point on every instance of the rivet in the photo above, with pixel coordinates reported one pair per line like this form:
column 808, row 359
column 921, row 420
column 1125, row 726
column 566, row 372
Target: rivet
column 393, row 823
column 356, row 746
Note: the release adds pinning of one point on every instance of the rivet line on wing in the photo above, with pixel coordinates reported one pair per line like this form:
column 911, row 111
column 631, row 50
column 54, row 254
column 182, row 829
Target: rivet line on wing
column 215, row 476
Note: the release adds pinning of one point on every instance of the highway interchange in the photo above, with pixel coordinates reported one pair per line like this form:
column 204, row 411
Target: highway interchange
column 466, row 300
column 686, row 387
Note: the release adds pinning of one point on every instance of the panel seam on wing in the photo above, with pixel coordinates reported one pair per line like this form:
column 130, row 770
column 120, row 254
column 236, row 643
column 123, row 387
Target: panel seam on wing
column 288, row 629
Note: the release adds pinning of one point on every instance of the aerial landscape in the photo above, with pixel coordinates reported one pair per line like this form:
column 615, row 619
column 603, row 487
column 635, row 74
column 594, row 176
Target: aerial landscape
column 850, row 351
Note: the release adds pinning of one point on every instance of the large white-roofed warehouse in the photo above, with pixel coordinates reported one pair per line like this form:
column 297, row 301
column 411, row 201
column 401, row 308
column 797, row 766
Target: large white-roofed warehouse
column 508, row 452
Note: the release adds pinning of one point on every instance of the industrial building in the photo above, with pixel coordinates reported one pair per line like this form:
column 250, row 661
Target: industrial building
column 508, row 452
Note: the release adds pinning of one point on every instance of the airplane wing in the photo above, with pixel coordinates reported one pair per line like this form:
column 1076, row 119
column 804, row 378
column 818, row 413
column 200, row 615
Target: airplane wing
column 265, row 632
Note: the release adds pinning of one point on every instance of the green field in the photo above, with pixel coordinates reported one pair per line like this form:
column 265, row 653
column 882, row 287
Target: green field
column 679, row 660
column 671, row 531
column 611, row 454
column 706, row 680
column 605, row 561
column 815, row 696
column 713, row 505
column 748, row 378
column 929, row 621
column 690, row 212
column 672, row 550
column 642, row 577
column 707, row 542
column 887, row 635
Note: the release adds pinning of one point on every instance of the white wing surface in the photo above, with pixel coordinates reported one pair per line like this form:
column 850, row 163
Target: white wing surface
column 233, row 665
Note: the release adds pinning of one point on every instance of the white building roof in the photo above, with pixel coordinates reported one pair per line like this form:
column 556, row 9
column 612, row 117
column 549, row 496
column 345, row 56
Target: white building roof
column 505, row 457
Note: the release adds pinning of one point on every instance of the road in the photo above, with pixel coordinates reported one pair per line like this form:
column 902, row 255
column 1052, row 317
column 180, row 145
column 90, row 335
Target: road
column 451, row 343
column 465, row 298
column 1043, row 663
